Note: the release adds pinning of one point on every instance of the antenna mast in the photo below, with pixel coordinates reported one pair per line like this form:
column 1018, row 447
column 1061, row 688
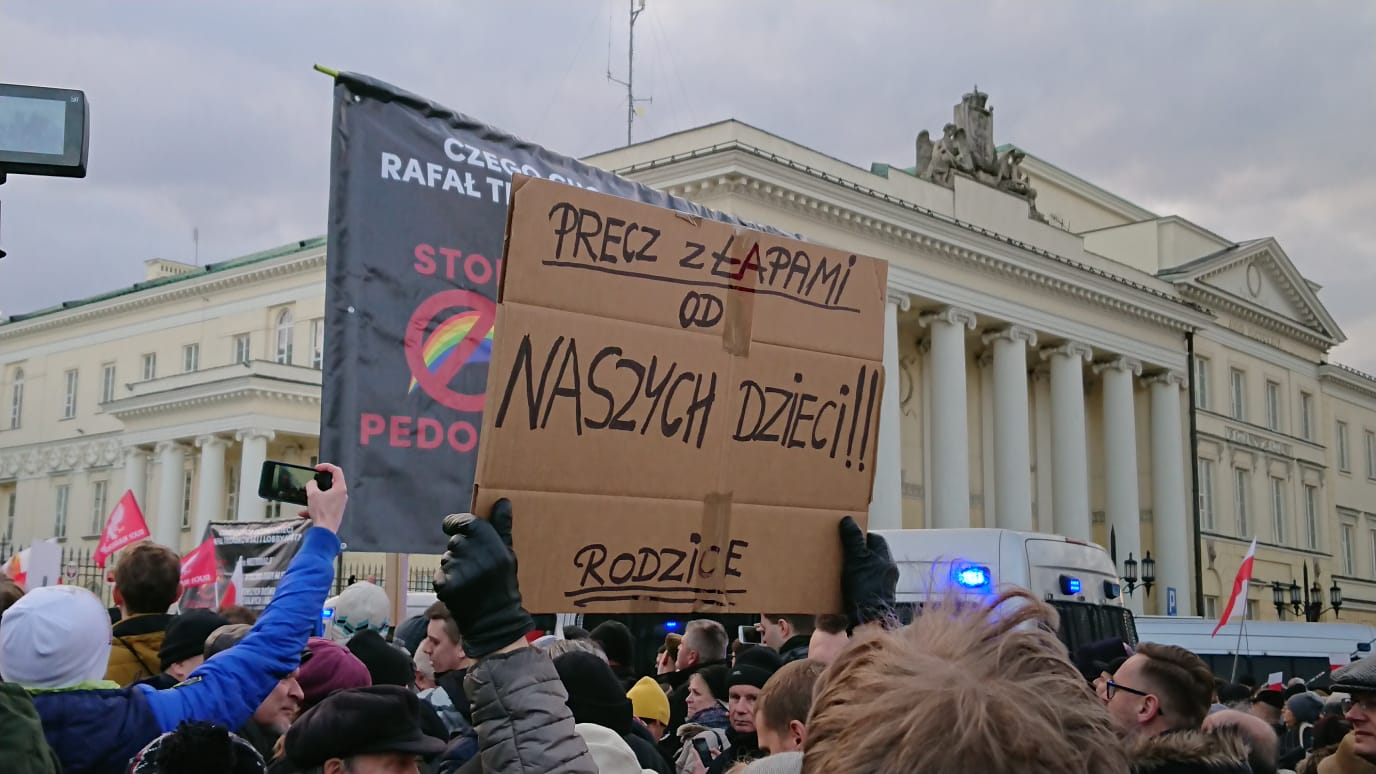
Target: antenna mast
column 631, row 98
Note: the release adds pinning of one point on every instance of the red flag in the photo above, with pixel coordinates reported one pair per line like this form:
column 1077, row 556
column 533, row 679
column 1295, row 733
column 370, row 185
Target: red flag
column 236, row 582
column 1244, row 576
column 123, row 526
column 198, row 567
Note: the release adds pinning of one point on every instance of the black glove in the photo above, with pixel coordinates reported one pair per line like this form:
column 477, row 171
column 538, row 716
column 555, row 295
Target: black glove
column 869, row 577
column 477, row 581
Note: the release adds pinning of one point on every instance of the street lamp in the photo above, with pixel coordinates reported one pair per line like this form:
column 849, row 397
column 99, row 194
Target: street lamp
column 1129, row 574
column 1130, row 578
column 1335, row 598
column 1148, row 572
column 1278, row 599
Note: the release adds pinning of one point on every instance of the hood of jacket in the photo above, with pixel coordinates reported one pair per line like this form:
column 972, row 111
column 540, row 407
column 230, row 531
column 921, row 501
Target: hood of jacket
column 21, row 733
column 96, row 731
column 1189, row 752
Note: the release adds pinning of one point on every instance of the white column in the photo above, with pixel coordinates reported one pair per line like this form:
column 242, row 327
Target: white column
column 886, row 502
column 1168, row 490
column 135, row 477
column 950, row 481
column 1120, row 461
column 1012, row 437
column 1041, row 399
column 254, row 453
column 210, row 485
column 171, row 470
column 1070, row 465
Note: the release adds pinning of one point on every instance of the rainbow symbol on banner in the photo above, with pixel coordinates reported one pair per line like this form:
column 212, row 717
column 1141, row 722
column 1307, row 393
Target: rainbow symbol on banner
column 446, row 339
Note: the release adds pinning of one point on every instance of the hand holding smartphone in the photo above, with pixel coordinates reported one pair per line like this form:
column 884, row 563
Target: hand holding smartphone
column 286, row 483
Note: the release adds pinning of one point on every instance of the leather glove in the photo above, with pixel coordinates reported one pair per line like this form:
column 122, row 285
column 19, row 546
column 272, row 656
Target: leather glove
column 869, row 576
column 477, row 581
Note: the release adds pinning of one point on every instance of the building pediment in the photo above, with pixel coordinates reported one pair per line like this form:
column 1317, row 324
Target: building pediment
column 1257, row 281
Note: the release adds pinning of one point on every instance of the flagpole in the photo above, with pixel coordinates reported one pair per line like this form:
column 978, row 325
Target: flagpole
column 1238, row 651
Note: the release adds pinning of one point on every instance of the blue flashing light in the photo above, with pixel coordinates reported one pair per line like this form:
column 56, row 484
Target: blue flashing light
column 1073, row 585
column 972, row 576
column 671, row 626
column 327, row 613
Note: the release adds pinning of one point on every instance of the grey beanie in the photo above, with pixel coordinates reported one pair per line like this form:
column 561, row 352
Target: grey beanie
column 1305, row 707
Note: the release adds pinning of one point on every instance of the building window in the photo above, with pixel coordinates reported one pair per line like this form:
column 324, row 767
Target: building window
column 1201, row 382
column 1344, row 463
column 1206, row 494
column 60, row 511
column 17, row 398
column 186, row 499
column 99, row 492
column 10, row 512
column 232, row 494
column 107, row 382
column 1346, row 548
column 317, row 342
column 1251, row 610
column 1372, row 533
column 1239, row 388
column 1210, row 607
column 69, row 394
column 1370, row 455
column 1311, row 516
column 1306, row 416
column 1242, row 482
column 150, row 366
column 273, row 511
column 283, row 336
column 1278, row 509
column 191, row 358
column 242, row 352
column 1273, row 405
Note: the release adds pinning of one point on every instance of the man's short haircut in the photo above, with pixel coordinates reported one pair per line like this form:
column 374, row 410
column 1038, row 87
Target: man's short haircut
column 10, row 592
column 440, row 612
column 149, row 578
column 802, row 624
column 239, row 614
column 787, row 696
column 831, row 623
column 963, row 688
column 1181, row 679
column 707, row 638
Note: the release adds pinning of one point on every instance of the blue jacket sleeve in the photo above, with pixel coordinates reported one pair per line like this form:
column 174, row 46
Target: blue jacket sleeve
column 228, row 688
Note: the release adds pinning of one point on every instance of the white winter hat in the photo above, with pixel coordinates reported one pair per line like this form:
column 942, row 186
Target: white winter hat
column 609, row 751
column 55, row 637
column 362, row 605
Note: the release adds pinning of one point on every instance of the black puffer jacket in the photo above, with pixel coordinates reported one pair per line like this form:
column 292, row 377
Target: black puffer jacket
column 1189, row 752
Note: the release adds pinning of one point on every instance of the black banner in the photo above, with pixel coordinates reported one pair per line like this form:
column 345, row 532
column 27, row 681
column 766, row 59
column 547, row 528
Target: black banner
column 418, row 199
column 266, row 549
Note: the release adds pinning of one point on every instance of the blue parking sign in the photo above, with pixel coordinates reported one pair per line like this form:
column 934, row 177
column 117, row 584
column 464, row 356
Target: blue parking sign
column 1170, row 601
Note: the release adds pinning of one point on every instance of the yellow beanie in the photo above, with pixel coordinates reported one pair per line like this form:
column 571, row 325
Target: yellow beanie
column 649, row 701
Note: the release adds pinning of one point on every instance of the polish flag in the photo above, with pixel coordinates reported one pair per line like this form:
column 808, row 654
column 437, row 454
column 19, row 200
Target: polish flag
column 125, row 525
column 1337, row 661
column 1244, row 576
column 236, row 582
column 198, row 567
column 1275, row 681
column 18, row 568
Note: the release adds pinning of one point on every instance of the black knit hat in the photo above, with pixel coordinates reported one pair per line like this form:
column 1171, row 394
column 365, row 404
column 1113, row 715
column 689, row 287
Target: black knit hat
column 714, row 677
column 595, row 695
column 359, row 721
column 616, row 642
column 387, row 664
column 755, row 667
column 185, row 636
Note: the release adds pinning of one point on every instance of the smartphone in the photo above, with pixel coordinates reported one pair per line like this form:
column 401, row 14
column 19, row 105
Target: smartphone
column 704, row 752
column 287, row 483
column 748, row 634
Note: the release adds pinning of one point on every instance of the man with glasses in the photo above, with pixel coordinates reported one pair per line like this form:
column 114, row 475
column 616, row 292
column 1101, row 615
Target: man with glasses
column 1358, row 679
column 1159, row 698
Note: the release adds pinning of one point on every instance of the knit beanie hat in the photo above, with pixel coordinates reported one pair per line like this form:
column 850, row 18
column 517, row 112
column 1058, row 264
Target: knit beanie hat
column 191, row 746
column 616, row 642
column 610, row 752
column 186, row 634
column 595, row 695
column 754, row 667
column 386, row 663
column 55, row 637
column 331, row 667
column 714, row 677
column 362, row 605
column 1305, row 707
column 649, row 700
column 778, row 763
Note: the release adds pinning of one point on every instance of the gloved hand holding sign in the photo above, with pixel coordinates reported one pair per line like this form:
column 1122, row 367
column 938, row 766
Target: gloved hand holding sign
column 477, row 581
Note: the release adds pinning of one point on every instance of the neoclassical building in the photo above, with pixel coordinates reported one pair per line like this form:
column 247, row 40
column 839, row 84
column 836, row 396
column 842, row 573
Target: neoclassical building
column 1042, row 335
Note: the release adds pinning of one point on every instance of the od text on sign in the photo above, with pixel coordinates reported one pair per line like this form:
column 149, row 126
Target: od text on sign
column 680, row 410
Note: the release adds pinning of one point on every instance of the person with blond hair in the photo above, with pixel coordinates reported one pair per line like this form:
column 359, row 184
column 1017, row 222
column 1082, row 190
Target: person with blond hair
column 964, row 688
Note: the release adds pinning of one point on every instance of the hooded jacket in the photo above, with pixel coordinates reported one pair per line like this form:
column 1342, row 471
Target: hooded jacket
column 134, row 648
column 1189, row 752
column 678, row 704
column 98, row 729
column 21, row 735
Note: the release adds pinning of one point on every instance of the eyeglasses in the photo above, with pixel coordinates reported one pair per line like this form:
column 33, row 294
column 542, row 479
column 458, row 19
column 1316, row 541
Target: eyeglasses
column 1110, row 688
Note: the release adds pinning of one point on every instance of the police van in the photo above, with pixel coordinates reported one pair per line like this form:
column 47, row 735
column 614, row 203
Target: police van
column 1259, row 648
column 1075, row 577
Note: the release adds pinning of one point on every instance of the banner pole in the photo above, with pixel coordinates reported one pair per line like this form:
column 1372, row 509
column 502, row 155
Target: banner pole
column 326, row 70
column 1238, row 650
column 398, row 567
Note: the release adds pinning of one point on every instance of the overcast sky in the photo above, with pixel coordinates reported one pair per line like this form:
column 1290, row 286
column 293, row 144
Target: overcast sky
column 1251, row 118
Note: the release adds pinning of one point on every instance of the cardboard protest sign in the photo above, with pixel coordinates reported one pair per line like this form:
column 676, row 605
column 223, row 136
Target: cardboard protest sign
column 680, row 410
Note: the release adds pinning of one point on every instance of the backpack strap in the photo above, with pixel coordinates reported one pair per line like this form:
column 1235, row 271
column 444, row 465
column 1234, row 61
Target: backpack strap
column 147, row 672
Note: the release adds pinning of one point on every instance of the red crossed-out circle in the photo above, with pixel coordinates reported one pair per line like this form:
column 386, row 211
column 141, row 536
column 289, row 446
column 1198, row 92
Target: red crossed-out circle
column 436, row 384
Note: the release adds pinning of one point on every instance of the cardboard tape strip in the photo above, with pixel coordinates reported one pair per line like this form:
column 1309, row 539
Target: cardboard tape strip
column 716, row 531
column 740, row 300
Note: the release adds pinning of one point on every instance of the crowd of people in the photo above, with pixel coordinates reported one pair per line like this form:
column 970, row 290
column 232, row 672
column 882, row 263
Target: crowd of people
column 471, row 687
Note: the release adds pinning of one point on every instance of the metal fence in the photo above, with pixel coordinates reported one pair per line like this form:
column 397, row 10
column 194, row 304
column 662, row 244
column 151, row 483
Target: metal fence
column 347, row 573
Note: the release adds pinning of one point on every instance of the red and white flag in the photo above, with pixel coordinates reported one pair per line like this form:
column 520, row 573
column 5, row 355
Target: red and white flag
column 123, row 526
column 198, row 567
column 18, row 568
column 1275, row 681
column 1337, row 661
column 236, row 582
column 1244, row 576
